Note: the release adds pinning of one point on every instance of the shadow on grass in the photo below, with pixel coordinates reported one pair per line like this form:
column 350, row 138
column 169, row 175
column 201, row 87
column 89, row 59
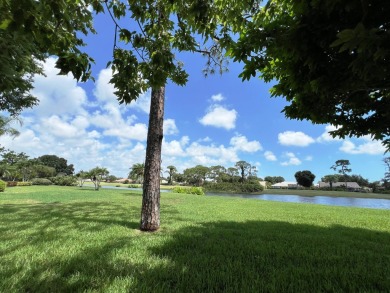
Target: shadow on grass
column 40, row 223
column 224, row 256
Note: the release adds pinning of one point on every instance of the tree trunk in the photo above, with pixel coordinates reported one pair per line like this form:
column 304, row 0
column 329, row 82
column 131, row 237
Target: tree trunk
column 150, row 214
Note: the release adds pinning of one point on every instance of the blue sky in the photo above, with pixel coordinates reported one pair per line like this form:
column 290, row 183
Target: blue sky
column 217, row 120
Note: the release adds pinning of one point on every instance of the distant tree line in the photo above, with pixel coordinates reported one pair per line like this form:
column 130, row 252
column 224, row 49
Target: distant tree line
column 46, row 170
column 20, row 167
column 241, row 177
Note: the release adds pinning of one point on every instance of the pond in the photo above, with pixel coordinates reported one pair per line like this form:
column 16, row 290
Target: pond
column 373, row 203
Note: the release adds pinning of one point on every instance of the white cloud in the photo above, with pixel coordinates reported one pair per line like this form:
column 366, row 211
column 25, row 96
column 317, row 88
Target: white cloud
column 170, row 127
column 113, row 124
column 241, row 143
column 104, row 92
column 94, row 134
column 369, row 147
column 60, row 128
column 326, row 137
column 291, row 160
column 309, row 158
column 220, row 117
column 292, row 138
column 217, row 98
column 269, row 156
column 57, row 94
column 210, row 154
column 173, row 148
column 63, row 126
column 142, row 103
column 205, row 139
column 185, row 154
column 137, row 131
column 27, row 139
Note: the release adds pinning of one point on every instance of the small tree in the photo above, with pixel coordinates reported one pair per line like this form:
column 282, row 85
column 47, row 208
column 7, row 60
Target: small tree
column 96, row 175
column 196, row 175
column 58, row 163
column 179, row 178
column 274, row 179
column 171, row 172
column 216, row 173
column 233, row 174
column 332, row 178
column 244, row 169
column 342, row 165
column 81, row 177
column 305, row 178
column 137, row 172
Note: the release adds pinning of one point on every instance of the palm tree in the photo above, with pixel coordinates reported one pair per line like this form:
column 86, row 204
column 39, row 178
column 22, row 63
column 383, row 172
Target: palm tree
column 137, row 172
column 5, row 127
column 171, row 171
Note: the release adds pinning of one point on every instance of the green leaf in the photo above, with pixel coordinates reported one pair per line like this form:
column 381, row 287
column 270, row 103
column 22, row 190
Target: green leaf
column 5, row 23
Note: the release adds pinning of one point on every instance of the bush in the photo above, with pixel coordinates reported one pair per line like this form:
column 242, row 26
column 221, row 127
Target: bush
column 134, row 186
column 247, row 187
column 2, row 185
column 188, row 190
column 386, row 191
column 64, row 180
column 12, row 183
column 41, row 181
column 24, row 183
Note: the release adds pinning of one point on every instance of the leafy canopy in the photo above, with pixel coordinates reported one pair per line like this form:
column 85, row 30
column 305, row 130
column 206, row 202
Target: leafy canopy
column 305, row 178
column 329, row 59
column 30, row 31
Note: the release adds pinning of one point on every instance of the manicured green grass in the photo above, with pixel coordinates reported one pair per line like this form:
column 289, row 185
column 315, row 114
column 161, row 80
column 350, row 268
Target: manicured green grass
column 67, row 239
column 87, row 184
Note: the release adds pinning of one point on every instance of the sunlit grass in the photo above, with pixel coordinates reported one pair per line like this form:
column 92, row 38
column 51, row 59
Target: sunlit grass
column 69, row 239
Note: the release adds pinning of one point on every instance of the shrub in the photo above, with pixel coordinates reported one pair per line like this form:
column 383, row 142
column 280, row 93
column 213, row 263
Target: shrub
column 2, row 185
column 41, row 181
column 12, row 183
column 64, row 180
column 24, row 183
column 188, row 190
column 134, row 186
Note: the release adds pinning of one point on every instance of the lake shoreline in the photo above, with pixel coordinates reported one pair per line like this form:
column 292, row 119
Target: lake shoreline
column 302, row 192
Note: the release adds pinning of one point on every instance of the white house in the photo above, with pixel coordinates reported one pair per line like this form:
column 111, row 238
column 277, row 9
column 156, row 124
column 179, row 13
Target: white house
column 285, row 185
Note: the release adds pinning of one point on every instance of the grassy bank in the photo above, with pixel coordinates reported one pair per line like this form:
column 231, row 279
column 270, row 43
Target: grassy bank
column 167, row 187
column 67, row 239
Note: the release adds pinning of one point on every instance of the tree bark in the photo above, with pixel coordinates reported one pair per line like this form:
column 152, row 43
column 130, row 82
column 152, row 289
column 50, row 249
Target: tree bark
column 150, row 214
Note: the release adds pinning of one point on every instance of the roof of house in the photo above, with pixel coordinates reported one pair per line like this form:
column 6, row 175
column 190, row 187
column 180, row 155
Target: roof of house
column 340, row 184
column 285, row 184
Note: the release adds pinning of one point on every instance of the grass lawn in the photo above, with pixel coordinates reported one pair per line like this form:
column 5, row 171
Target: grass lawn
column 68, row 239
column 168, row 187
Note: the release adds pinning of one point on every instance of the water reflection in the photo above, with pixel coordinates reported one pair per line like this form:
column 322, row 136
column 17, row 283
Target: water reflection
column 374, row 203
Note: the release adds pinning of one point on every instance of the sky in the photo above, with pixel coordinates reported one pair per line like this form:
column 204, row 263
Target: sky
column 218, row 120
